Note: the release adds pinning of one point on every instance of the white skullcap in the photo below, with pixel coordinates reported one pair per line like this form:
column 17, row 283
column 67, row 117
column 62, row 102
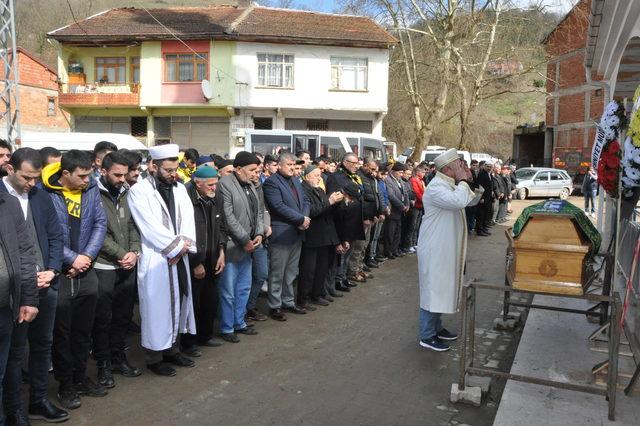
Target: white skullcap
column 445, row 158
column 160, row 152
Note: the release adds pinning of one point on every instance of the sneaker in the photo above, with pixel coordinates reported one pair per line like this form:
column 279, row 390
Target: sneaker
column 87, row 388
column 434, row 344
column 411, row 250
column 255, row 315
column 68, row 397
column 445, row 334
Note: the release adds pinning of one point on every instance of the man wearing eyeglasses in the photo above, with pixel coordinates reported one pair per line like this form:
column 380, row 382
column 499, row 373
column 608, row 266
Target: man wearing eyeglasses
column 5, row 156
column 163, row 212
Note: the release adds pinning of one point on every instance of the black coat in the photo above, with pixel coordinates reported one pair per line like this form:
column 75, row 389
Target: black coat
column 19, row 254
column 370, row 197
column 498, row 186
column 202, row 223
column 347, row 216
column 484, row 180
column 322, row 231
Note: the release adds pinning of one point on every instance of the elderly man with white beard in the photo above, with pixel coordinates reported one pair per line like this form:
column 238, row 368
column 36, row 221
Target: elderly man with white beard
column 442, row 247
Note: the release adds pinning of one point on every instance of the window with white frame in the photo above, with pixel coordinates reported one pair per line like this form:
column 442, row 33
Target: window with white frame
column 275, row 70
column 349, row 73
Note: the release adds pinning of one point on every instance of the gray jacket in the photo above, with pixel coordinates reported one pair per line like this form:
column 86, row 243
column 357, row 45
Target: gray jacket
column 236, row 211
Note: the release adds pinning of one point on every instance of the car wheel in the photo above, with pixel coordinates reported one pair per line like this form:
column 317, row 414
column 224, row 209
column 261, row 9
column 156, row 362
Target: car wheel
column 522, row 193
column 564, row 194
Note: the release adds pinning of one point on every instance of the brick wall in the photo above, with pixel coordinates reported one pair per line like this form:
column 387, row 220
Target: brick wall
column 572, row 106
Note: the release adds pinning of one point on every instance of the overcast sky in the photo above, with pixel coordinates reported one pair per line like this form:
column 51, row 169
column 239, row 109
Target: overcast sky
column 559, row 6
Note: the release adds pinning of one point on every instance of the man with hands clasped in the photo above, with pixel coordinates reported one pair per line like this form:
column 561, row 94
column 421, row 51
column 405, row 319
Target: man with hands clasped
column 115, row 267
column 289, row 209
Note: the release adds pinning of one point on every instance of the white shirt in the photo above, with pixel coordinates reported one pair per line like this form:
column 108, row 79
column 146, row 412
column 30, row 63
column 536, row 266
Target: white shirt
column 23, row 198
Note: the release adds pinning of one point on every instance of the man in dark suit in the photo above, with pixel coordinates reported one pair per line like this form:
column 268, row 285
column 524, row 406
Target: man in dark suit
column 483, row 211
column 399, row 202
column 289, row 218
column 45, row 233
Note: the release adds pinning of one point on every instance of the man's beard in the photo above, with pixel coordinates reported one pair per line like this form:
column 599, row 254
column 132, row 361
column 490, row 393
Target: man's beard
column 166, row 181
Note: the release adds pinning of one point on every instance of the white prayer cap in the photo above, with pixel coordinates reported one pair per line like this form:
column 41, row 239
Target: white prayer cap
column 160, row 152
column 445, row 158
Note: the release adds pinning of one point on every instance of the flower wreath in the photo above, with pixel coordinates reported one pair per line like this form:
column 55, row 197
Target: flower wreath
column 608, row 160
column 631, row 159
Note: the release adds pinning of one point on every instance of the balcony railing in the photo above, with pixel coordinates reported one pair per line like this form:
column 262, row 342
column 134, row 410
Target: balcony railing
column 99, row 94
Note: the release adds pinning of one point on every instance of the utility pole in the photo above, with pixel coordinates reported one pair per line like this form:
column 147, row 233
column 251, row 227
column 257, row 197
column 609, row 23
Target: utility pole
column 9, row 103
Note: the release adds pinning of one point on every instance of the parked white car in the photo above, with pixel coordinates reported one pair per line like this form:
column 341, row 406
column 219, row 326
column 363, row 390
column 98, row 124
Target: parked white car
column 543, row 182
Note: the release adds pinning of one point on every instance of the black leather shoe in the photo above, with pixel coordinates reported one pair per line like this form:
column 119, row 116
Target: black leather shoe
column 248, row 331
column 277, row 315
column 230, row 337
column 321, row 301
column 45, row 410
column 372, row 263
column 340, row 287
column 366, row 268
column 105, row 376
column 17, row 419
column 162, row 369
column 68, row 397
column 212, row 343
column 87, row 388
column 120, row 365
column 334, row 293
column 347, row 283
column 329, row 298
column 179, row 360
column 295, row 310
column 192, row 351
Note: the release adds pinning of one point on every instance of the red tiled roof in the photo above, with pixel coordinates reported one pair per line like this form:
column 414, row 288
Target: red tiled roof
column 226, row 22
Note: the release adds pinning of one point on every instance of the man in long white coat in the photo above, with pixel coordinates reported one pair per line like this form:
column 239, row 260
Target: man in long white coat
column 163, row 212
column 442, row 247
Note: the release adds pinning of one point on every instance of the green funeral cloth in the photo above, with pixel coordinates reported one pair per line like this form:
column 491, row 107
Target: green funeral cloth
column 563, row 208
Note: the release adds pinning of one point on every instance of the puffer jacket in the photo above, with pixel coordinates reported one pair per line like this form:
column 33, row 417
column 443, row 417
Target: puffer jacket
column 122, row 234
column 93, row 220
column 370, row 199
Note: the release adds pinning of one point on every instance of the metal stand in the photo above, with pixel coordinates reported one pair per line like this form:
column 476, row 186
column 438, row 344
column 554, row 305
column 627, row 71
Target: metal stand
column 468, row 341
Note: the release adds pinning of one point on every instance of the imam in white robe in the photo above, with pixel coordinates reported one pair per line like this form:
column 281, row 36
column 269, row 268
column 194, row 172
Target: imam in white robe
column 163, row 314
column 442, row 243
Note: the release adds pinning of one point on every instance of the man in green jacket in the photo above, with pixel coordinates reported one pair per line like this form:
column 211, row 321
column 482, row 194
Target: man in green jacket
column 116, row 269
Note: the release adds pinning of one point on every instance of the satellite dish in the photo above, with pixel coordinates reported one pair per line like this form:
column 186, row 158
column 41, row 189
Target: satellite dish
column 207, row 91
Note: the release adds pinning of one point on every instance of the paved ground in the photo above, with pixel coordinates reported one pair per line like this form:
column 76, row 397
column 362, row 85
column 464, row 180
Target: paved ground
column 354, row 362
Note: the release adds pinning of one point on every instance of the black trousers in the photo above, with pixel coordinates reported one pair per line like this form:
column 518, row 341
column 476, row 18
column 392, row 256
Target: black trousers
column 484, row 215
column 77, row 299
column 392, row 230
column 205, row 307
column 314, row 267
column 114, row 310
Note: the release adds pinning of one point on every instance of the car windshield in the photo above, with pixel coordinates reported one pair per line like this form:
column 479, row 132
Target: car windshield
column 525, row 174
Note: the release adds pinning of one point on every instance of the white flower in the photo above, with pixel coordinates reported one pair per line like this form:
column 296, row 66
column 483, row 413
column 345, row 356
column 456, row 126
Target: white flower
column 628, row 183
column 609, row 133
column 612, row 107
column 632, row 173
column 613, row 121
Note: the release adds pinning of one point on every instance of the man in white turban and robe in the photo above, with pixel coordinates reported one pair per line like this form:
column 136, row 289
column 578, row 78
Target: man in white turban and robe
column 442, row 247
column 163, row 212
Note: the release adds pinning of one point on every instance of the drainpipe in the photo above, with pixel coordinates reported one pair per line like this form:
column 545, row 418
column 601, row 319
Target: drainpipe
column 607, row 98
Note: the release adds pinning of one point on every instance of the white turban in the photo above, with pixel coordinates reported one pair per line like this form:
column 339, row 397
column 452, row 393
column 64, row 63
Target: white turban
column 161, row 152
column 445, row 158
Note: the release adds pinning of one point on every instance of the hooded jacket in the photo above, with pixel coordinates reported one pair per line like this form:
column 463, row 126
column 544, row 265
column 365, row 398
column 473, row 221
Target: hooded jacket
column 122, row 234
column 93, row 220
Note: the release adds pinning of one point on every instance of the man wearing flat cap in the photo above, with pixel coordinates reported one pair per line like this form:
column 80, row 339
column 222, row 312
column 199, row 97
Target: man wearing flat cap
column 442, row 247
column 163, row 212
column 208, row 262
column 244, row 224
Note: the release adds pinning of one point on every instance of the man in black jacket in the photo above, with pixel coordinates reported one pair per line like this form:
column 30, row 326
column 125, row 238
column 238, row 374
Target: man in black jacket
column 483, row 211
column 46, row 234
column 208, row 262
column 18, row 280
column 370, row 210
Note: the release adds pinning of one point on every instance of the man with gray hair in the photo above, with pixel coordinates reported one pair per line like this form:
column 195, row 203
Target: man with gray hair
column 289, row 219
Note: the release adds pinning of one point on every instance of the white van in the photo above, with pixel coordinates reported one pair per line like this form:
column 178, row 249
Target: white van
column 431, row 153
column 331, row 144
column 65, row 141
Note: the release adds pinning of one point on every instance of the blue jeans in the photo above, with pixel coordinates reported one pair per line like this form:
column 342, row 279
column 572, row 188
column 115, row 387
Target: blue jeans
column 6, row 329
column 259, row 274
column 235, row 285
column 430, row 324
column 590, row 198
column 39, row 333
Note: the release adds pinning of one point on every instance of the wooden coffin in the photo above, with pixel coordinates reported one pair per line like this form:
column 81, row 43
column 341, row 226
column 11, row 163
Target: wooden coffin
column 549, row 256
